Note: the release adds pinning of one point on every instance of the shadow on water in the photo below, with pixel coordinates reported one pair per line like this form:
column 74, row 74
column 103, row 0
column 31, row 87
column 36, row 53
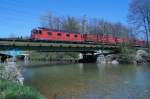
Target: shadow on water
column 86, row 68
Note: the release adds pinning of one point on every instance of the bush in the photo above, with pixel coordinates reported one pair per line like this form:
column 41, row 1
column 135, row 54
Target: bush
column 127, row 55
column 10, row 90
column 125, row 59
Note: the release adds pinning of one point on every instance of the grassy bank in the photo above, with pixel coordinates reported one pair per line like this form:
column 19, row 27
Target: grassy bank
column 10, row 90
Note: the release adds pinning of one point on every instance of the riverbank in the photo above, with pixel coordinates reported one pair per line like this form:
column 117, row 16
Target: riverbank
column 126, row 56
column 11, row 84
column 9, row 90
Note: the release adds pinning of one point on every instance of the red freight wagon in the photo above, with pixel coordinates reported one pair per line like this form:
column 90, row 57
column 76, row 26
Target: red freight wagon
column 139, row 42
column 119, row 40
column 107, row 39
column 111, row 40
column 99, row 38
column 126, row 40
column 90, row 37
column 104, row 39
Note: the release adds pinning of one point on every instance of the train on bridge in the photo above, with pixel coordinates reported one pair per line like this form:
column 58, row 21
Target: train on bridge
column 46, row 34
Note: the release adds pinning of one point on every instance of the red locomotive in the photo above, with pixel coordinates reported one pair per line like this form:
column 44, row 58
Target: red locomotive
column 62, row 36
column 54, row 35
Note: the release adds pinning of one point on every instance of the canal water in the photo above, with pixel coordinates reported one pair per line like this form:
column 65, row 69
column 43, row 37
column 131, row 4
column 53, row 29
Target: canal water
column 90, row 81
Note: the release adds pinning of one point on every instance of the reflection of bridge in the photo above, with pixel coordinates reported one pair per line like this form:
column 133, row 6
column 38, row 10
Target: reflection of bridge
column 26, row 45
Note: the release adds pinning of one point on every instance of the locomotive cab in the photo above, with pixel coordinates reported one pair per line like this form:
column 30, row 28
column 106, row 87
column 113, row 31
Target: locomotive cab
column 37, row 34
column 34, row 32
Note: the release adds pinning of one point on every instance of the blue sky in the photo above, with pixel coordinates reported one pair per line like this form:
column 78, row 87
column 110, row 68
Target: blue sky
column 18, row 17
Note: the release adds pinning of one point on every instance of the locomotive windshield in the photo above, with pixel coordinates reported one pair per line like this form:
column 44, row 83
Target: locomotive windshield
column 34, row 31
column 39, row 31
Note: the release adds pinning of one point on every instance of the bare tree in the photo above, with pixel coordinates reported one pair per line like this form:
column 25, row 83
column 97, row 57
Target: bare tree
column 51, row 21
column 93, row 26
column 71, row 24
column 84, row 25
column 100, row 26
column 119, row 30
column 139, row 16
column 105, row 27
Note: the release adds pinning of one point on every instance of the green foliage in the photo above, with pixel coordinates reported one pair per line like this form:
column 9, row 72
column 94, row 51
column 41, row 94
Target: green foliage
column 127, row 55
column 125, row 59
column 127, row 50
column 10, row 90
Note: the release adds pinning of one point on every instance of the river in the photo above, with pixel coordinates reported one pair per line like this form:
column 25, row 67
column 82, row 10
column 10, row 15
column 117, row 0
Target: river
column 90, row 81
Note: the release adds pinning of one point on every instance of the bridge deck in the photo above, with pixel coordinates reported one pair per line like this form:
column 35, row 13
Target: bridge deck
column 50, row 46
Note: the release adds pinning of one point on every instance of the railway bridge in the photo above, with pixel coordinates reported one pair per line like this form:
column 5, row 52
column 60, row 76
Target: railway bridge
column 84, row 48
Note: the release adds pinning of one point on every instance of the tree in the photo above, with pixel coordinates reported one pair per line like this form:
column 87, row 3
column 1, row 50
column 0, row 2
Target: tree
column 105, row 27
column 139, row 16
column 51, row 21
column 84, row 25
column 119, row 30
column 71, row 24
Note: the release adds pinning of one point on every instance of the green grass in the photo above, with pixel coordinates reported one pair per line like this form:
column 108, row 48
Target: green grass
column 10, row 90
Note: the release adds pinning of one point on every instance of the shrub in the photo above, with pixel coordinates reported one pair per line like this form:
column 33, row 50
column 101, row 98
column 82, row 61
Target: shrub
column 127, row 55
column 10, row 90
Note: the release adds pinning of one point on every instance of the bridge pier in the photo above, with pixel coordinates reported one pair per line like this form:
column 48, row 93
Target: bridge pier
column 91, row 57
column 3, row 58
column 88, row 58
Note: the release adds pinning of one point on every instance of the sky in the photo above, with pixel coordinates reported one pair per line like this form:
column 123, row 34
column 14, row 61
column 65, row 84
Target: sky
column 19, row 17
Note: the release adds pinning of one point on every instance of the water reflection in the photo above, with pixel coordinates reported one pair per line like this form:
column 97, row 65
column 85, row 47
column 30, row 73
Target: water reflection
column 91, row 81
column 90, row 68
